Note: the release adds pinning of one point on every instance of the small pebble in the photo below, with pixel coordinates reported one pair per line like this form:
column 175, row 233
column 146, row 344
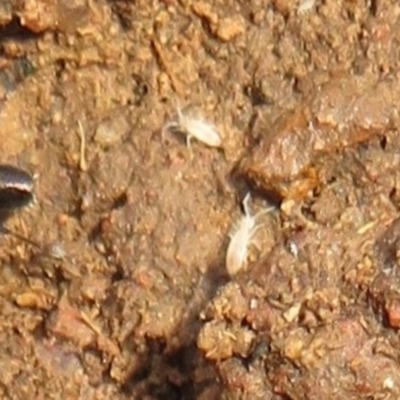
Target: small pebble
column 111, row 131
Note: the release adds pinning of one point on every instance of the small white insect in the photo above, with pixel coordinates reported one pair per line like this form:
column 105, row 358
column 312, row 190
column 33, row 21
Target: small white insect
column 197, row 128
column 241, row 237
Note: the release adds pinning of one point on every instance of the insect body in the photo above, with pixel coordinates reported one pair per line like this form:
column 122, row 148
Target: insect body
column 16, row 188
column 197, row 128
column 241, row 238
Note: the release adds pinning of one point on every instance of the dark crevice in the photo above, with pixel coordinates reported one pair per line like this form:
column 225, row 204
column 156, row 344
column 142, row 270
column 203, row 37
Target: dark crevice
column 14, row 30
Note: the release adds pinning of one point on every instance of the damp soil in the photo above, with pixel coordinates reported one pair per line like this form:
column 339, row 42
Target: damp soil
column 124, row 292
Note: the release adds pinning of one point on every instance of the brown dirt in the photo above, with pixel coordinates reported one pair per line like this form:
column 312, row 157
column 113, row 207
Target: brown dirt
column 128, row 295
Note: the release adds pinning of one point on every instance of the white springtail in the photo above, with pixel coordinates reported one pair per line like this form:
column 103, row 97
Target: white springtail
column 241, row 237
column 193, row 127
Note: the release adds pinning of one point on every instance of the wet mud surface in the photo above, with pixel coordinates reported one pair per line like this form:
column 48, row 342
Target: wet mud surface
column 125, row 292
